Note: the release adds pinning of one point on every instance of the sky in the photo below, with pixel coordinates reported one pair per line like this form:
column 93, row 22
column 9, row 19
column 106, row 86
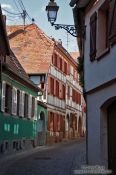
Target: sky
column 36, row 10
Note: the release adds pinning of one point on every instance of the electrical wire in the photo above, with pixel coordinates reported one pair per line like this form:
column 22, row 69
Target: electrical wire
column 17, row 6
column 12, row 13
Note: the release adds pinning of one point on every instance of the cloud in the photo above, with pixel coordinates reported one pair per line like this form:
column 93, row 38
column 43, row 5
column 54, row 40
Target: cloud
column 8, row 6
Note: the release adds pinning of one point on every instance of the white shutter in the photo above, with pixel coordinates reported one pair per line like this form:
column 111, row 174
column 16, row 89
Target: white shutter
column 29, row 106
column 14, row 101
column 35, row 116
column 23, row 95
column 20, row 104
column 21, row 107
column 3, row 96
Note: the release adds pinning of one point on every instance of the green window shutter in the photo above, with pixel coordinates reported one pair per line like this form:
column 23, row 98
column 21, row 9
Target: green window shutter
column 3, row 96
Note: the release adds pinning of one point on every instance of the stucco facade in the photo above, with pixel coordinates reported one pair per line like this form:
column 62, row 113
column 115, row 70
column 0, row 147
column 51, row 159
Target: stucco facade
column 98, row 50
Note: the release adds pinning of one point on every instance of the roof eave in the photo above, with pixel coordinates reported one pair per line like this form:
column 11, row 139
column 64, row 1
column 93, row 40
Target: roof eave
column 80, row 3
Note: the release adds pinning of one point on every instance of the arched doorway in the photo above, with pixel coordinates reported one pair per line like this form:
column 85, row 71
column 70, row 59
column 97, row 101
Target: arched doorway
column 79, row 127
column 41, row 129
column 111, row 127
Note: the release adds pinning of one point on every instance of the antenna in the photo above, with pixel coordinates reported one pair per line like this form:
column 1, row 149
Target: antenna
column 24, row 15
column 67, row 40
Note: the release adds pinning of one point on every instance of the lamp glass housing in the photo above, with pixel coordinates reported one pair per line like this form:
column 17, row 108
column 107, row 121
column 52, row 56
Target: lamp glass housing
column 52, row 10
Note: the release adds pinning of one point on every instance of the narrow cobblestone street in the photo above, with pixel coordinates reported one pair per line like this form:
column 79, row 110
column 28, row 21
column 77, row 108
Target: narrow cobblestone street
column 59, row 159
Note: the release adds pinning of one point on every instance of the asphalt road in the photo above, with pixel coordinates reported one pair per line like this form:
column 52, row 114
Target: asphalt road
column 59, row 159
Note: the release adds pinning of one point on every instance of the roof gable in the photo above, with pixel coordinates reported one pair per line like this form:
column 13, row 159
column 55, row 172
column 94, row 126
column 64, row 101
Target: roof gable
column 32, row 47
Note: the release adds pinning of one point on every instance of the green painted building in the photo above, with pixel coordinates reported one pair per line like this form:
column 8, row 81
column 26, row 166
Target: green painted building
column 18, row 101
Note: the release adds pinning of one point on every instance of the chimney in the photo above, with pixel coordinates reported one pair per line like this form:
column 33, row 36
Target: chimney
column 60, row 41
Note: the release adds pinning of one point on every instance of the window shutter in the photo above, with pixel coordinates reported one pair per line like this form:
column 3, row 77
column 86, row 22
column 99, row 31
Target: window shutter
column 33, row 107
column 35, row 116
column 93, row 33
column 3, row 96
column 55, row 122
column 60, row 90
column 49, row 85
column 58, row 119
column 61, row 64
column 54, row 87
column 68, row 69
column 112, row 21
column 14, row 101
column 21, row 109
column 29, row 106
column 58, row 62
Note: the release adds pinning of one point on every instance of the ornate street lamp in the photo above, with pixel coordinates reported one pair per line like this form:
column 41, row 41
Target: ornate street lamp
column 52, row 10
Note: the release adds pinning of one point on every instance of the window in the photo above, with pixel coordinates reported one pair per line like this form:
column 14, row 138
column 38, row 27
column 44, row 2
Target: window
column 93, row 33
column 68, row 92
column 64, row 92
column 52, row 85
column 26, row 106
column 33, row 107
column 61, row 64
column 18, row 102
column 54, row 59
column 57, row 89
column 42, row 86
column 8, row 99
column 65, row 67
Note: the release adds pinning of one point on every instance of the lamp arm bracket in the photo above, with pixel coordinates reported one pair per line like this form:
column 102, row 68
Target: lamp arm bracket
column 71, row 29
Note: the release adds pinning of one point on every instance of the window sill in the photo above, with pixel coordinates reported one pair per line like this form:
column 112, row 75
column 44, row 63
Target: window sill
column 103, row 53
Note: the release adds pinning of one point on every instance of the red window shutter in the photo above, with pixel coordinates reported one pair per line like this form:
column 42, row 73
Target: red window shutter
column 60, row 90
column 55, row 59
column 61, row 123
column 54, row 87
column 58, row 122
column 49, row 85
column 93, row 33
column 68, row 69
column 112, row 21
column 58, row 62
column 61, row 64
column 64, row 92
column 55, row 122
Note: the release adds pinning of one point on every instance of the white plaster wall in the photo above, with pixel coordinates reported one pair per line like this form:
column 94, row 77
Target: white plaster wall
column 95, row 125
column 97, row 72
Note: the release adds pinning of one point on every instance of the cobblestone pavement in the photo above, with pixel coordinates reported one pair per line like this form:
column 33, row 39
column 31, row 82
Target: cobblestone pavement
column 59, row 159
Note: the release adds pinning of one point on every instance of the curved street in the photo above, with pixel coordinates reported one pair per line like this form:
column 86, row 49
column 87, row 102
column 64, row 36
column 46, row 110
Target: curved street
column 58, row 159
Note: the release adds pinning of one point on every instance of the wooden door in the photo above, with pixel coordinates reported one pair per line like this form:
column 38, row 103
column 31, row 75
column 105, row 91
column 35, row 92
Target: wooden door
column 112, row 137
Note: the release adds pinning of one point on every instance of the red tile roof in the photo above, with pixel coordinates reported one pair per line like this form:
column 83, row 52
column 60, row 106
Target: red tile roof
column 32, row 47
